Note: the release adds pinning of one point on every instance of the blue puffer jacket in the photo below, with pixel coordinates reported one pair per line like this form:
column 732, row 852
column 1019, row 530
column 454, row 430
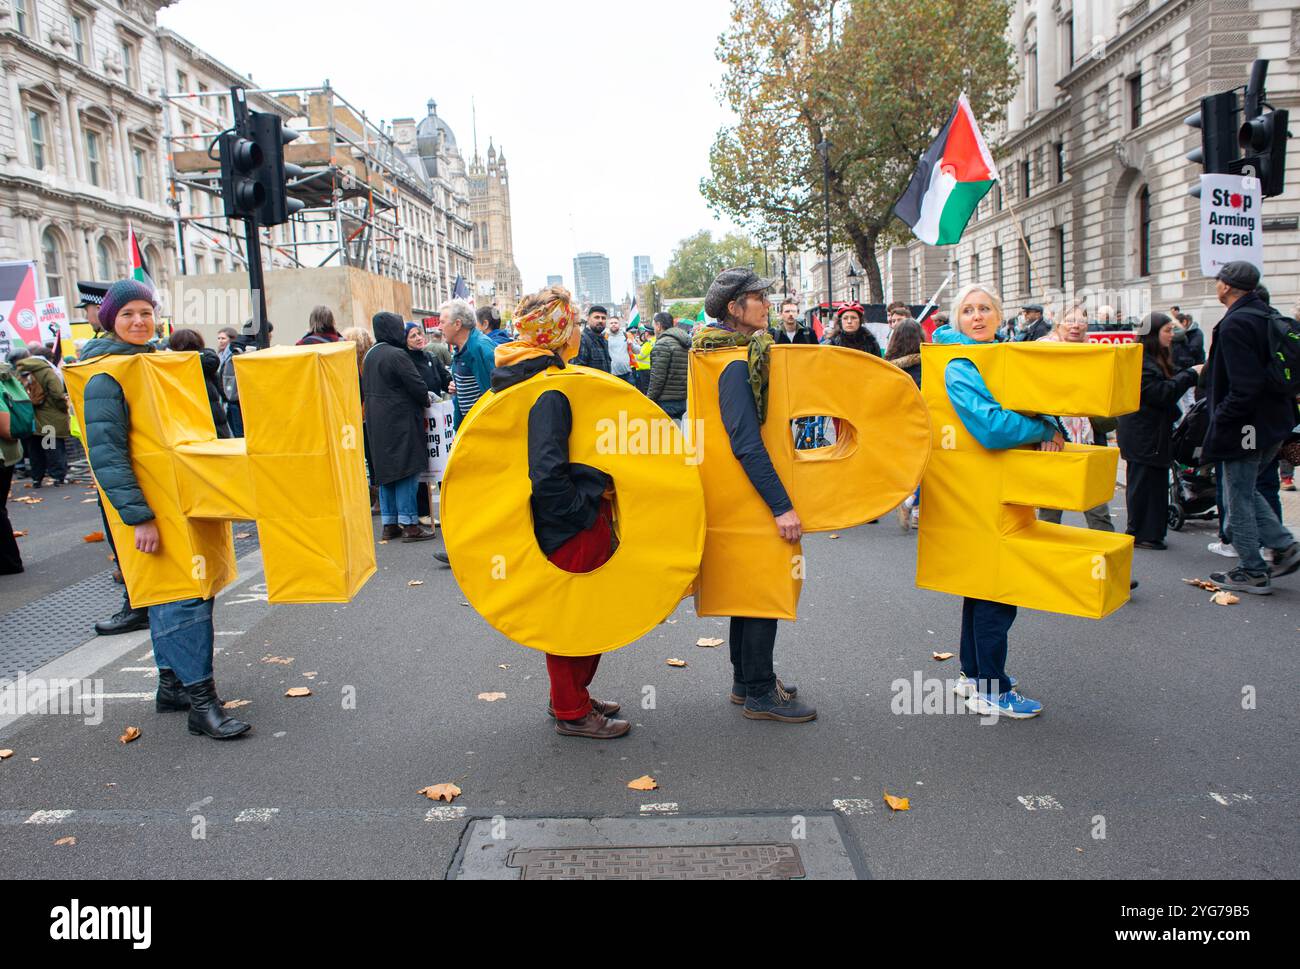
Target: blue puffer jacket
column 996, row 429
column 106, row 423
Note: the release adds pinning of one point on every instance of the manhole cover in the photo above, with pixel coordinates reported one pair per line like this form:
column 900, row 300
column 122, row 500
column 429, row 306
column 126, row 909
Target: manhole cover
column 764, row 862
column 749, row 847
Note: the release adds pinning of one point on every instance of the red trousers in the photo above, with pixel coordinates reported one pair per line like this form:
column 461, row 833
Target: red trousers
column 571, row 675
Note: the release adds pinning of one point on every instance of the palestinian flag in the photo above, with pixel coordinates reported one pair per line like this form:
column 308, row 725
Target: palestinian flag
column 951, row 178
column 139, row 271
column 634, row 316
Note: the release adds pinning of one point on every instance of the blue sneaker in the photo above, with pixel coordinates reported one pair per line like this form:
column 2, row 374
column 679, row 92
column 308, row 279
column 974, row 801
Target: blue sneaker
column 966, row 686
column 1010, row 704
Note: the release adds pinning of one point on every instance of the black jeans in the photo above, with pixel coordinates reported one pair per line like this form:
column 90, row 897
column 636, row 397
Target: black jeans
column 42, row 461
column 11, row 561
column 676, row 409
column 1147, row 497
column 752, row 644
column 984, row 629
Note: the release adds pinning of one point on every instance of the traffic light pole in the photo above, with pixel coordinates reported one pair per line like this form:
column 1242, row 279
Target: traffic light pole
column 252, row 235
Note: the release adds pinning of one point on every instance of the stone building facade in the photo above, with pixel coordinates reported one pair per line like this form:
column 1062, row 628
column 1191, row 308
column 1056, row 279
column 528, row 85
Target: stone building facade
column 494, row 247
column 1091, row 157
column 82, row 140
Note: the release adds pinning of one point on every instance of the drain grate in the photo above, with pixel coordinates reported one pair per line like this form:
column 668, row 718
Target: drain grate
column 55, row 624
column 740, row 862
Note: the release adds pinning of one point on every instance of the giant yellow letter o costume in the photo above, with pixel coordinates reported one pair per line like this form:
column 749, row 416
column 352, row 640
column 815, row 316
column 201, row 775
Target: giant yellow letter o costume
column 980, row 536
column 299, row 473
column 880, row 453
column 488, row 526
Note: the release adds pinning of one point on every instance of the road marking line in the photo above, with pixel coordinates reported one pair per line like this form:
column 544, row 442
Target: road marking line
column 668, row 807
column 239, row 633
column 261, row 815
column 850, row 806
column 48, row 817
column 148, row 671
column 449, row 813
column 120, row 696
column 1040, row 802
column 1228, row 799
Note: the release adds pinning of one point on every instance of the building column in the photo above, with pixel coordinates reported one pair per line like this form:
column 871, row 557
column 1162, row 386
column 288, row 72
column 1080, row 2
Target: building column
column 69, row 147
column 78, row 139
column 1016, row 109
column 126, row 187
column 1048, row 47
column 19, row 115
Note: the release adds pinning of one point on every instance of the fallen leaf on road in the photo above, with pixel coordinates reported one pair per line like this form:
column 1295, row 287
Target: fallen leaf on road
column 35, row 759
column 833, row 537
column 942, row 656
column 298, row 691
column 491, row 697
column 440, row 792
column 68, row 841
column 278, row 660
column 131, row 733
column 897, row 803
column 1202, row 584
column 312, row 675
column 383, row 541
column 414, row 582
column 20, row 534
column 235, row 704
column 646, row 783
column 503, row 666
column 677, row 662
column 28, row 499
column 708, row 643
column 6, row 754
column 93, row 537
column 243, row 535
column 1224, row 598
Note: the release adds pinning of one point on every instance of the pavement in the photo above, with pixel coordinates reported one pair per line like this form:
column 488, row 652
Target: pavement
column 1167, row 748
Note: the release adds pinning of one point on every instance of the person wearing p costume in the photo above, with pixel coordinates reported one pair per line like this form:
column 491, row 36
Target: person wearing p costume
column 738, row 299
column 571, row 502
column 182, row 631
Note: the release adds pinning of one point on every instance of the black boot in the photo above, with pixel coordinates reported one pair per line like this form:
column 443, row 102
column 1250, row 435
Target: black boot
column 206, row 715
column 172, row 695
column 127, row 620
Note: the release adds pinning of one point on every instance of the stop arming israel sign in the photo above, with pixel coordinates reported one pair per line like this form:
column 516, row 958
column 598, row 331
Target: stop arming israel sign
column 1231, row 222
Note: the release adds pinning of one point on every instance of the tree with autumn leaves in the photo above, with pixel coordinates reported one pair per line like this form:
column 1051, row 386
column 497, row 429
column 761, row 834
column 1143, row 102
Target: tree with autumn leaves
column 875, row 78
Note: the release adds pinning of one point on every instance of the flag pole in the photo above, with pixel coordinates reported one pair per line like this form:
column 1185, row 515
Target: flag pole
column 1033, row 268
column 934, row 300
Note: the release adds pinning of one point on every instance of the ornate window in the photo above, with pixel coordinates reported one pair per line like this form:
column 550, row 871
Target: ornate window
column 130, row 66
column 105, row 259
column 140, row 172
column 94, row 158
column 37, row 129
column 1144, row 232
column 81, row 38
column 25, row 18
column 52, row 259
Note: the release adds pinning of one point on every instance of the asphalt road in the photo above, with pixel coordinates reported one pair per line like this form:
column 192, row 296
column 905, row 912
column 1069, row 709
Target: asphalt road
column 1144, row 737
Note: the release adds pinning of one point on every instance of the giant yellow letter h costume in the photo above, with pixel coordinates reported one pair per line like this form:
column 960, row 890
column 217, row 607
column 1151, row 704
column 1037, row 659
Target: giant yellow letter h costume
column 979, row 534
column 299, row 473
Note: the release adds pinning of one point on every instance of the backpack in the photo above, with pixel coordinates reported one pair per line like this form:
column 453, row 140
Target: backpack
column 1189, row 436
column 1283, row 373
column 35, row 392
column 22, row 415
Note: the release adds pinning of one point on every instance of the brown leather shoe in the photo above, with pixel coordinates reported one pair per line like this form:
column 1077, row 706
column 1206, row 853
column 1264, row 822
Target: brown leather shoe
column 414, row 533
column 593, row 726
column 391, row 532
column 606, row 708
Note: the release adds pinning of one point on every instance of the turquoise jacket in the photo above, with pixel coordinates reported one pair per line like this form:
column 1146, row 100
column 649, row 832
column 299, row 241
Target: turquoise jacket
column 995, row 428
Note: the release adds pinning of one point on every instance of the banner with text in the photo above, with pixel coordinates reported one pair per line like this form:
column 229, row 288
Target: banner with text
column 1231, row 222
column 440, row 433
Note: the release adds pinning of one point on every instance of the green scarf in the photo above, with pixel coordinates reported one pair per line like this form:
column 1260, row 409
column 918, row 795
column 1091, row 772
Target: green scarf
column 759, row 344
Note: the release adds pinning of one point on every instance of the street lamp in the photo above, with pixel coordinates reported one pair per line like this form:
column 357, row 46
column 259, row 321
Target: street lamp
column 824, row 148
column 854, row 276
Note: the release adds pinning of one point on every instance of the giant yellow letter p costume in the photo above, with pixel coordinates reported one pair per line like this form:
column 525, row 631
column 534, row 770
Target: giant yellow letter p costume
column 979, row 534
column 299, row 473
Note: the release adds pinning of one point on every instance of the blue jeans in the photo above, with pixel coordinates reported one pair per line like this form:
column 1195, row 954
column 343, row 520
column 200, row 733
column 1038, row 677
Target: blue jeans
column 984, row 628
column 1269, row 484
column 397, row 501
column 235, row 418
column 1250, row 517
column 182, row 638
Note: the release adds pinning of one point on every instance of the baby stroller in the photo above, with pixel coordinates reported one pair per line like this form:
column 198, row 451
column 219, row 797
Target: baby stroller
column 1192, row 492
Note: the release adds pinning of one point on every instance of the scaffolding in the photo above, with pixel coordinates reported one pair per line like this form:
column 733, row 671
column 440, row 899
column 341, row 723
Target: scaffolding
column 353, row 176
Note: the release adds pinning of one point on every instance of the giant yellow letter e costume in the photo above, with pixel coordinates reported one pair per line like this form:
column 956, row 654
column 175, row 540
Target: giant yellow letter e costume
column 979, row 534
column 299, row 473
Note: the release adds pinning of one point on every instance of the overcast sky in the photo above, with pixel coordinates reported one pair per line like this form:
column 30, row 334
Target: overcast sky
column 606, row 108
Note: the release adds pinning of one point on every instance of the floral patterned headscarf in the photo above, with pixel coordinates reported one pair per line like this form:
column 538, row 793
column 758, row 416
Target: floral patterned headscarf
column 548, row 327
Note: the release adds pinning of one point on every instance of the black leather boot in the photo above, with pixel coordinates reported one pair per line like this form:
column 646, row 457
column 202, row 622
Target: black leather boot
column 172, row 696
column 127, row 620
column 207, row 717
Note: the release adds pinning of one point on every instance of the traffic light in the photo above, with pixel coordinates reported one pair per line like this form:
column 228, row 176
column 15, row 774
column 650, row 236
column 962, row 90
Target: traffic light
column 1263, row 137
column 270, row 135
column 241, row 160
column 1218, row 124
column 254, row 172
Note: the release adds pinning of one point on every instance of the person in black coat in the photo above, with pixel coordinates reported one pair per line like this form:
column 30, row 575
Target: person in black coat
column 594, row 351
column 1145, row 435
column 1189, row 344
column 1249, row 421
column 850, row 331
column 788, row 329
column 396, row 398
column 436, row 377
column 192, row 340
